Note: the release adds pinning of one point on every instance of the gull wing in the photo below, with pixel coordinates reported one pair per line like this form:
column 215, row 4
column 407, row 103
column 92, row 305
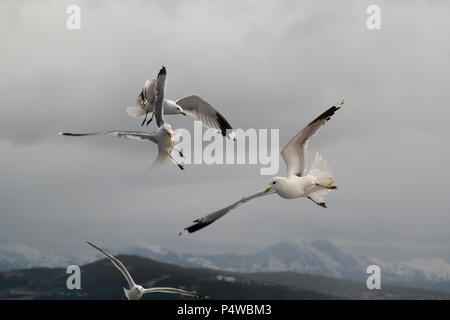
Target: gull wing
column 147, row 97
column 210, row 218
column 136, row 135
column 294, row 153
column 199, row 109
column 160, row 89
column 172, row 290
column 117, row 264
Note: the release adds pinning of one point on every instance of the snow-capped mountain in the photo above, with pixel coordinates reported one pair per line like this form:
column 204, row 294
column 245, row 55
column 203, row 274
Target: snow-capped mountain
column 21, row 256
column 421, row 273
column 315, row 257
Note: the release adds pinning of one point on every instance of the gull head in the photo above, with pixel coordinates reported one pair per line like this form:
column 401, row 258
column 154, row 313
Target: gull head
column 274, row 184
column 140, row 288
column 135, row 293
column 139, row 291
column 179, row 110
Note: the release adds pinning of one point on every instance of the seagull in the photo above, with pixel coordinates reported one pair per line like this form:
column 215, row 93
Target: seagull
column 193, row 106
column 164, row 136
column 136, row 291
column 313, row 184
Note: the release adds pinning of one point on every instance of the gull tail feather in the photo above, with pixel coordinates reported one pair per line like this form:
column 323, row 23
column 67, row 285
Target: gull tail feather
column 127, row 293
column 136, row 112
column 321, row 171
column 160, row 160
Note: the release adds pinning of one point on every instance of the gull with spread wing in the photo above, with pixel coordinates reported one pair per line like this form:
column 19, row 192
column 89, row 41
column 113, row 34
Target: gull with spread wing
column 163, row 136
column 136, row 291
column 313, row 184
column 192, row 106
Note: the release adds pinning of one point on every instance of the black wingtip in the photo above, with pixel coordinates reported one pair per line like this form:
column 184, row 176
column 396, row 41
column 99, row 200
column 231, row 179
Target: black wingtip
column 162, row 71
column 70, row 134
column 329, row 113
column 223, row 124
column 198, row 225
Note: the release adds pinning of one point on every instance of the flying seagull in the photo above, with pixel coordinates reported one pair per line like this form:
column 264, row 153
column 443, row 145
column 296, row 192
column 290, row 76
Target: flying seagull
column 192, row 106
column 313, row 184
column 136, row 291
column 163, row 136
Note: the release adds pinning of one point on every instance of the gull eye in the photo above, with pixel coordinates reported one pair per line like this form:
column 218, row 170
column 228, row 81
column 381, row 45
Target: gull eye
column 274, row 182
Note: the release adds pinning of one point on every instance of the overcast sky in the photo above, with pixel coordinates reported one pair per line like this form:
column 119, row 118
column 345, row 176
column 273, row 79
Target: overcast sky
column 263, row 64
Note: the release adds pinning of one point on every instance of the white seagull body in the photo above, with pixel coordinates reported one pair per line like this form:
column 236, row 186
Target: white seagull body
column 163, row 136
column 136, row 291
column 313, row 184
column 192, row 106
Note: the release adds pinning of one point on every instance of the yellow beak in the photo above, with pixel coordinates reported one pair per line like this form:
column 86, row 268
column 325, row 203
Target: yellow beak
column 267, row 190
column 184, row 113
column 170, row 134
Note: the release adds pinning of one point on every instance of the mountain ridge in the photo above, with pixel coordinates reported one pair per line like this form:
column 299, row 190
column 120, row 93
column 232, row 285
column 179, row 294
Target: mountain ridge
column 101, row 280
column 320, row 257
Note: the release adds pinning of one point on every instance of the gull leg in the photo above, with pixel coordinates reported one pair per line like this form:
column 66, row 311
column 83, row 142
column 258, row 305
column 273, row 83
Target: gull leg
column 142, row 124
column 322, row 204
column 179, row 152
column 327, row 187
column 151, row 118
column 174, row 161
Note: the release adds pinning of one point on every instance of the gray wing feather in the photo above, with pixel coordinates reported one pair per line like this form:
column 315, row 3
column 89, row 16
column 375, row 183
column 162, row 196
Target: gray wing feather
column 147, row 97
column 294, row 153
column 117, row 264
column 199, row 109
column 159, row 104
column 210, row 218
column 172, row 290
column 136, row 135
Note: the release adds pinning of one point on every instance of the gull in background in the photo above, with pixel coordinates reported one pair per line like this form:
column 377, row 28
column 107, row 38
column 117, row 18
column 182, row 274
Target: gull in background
column 192, row 106
column 314, row 184
column 163, row 136
column 136, row 291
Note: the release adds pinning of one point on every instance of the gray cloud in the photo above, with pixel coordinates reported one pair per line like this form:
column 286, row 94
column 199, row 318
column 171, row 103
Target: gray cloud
column 264, row 65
